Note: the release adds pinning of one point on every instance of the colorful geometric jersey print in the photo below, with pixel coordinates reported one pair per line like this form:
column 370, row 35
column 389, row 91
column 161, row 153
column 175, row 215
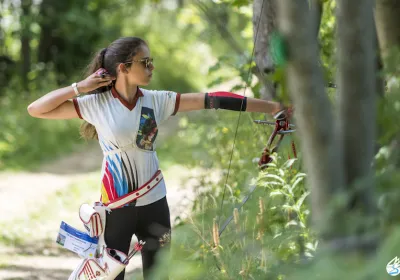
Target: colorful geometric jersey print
column 118, row 177
column 118, row 126
column 147, row 130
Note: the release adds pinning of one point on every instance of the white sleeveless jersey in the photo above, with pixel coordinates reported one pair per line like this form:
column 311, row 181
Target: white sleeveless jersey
column 120, row 124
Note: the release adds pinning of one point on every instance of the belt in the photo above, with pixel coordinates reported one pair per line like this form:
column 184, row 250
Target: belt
column 132, row 196
column 119, row 150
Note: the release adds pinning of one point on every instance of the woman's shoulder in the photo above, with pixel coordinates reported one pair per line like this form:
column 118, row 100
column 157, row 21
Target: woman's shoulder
column 94, row 101
column 157, row 93
column 96, row 97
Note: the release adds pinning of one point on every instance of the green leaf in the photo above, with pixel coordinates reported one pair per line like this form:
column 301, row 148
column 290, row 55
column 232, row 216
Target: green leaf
column 275, row 193
column 291, row 223
column 298, row 180
column 278, row 75
column 273, row 176
column 289, row 162
column 301, row 200
column 240, row 3
column 214, row 68
column 237, row 88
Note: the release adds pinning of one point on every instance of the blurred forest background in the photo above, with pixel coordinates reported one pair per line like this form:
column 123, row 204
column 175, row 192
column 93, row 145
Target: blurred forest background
column 332, row 213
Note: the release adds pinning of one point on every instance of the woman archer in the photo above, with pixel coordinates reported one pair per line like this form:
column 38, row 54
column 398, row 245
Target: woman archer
column 124, row 118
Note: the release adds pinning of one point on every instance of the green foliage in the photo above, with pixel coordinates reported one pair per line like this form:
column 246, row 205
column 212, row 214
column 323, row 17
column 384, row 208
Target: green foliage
column 327, row 40
column 26, row 141
column 238, row 3
column 387, row 160
column 328, row 265
column 269, row 233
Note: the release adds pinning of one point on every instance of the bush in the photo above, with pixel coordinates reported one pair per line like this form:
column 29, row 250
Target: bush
column 25, row 141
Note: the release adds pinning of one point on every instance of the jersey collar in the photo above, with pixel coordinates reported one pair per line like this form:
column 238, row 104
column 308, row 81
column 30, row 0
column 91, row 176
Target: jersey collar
column 128, row 105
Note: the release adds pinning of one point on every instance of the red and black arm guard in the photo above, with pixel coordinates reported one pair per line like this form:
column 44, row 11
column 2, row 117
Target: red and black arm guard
column 225, row 100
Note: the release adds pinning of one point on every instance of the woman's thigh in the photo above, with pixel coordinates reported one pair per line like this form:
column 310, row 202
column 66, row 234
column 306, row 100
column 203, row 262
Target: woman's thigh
column 120, row 226
column 154, row 227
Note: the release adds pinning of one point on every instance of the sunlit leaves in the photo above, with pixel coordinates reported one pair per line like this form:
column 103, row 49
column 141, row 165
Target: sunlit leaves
column 236, row 3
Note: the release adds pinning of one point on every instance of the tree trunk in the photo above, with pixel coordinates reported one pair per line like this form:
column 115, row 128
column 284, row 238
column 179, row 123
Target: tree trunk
column 51, row 41
column 356, row 80
column 47, row 24
column 25, row 21
column 264, row 23
column 313, row 112
column 356, row 103
column 387, row 17
column 317, row 9
column 380, row 81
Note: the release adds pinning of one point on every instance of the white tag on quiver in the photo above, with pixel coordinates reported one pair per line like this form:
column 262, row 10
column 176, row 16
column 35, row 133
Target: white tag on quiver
column 77, row 241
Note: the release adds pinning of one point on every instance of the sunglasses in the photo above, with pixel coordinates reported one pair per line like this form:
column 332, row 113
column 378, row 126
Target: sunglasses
column 145, row 61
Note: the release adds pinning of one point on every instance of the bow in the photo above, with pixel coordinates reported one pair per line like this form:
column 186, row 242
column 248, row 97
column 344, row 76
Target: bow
column 282, row 127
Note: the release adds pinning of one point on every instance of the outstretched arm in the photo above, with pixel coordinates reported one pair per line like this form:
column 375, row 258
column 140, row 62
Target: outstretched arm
column 228, row 101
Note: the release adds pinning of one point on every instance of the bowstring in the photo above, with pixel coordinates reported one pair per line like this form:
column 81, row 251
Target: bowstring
column 240, row 112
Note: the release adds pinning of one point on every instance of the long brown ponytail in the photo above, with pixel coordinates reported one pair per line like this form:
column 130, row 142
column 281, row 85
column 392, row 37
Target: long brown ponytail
column 120, row 51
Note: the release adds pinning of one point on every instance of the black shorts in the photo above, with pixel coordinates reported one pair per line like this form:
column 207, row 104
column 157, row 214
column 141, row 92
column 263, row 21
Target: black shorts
column 150, row 223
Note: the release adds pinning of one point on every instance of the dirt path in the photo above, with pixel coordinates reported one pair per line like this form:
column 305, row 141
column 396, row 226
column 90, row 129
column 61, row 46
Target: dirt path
column 34, row 204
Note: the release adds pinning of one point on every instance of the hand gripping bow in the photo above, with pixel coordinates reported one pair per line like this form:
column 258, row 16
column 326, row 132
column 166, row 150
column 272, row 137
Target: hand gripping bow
column 282, row 127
